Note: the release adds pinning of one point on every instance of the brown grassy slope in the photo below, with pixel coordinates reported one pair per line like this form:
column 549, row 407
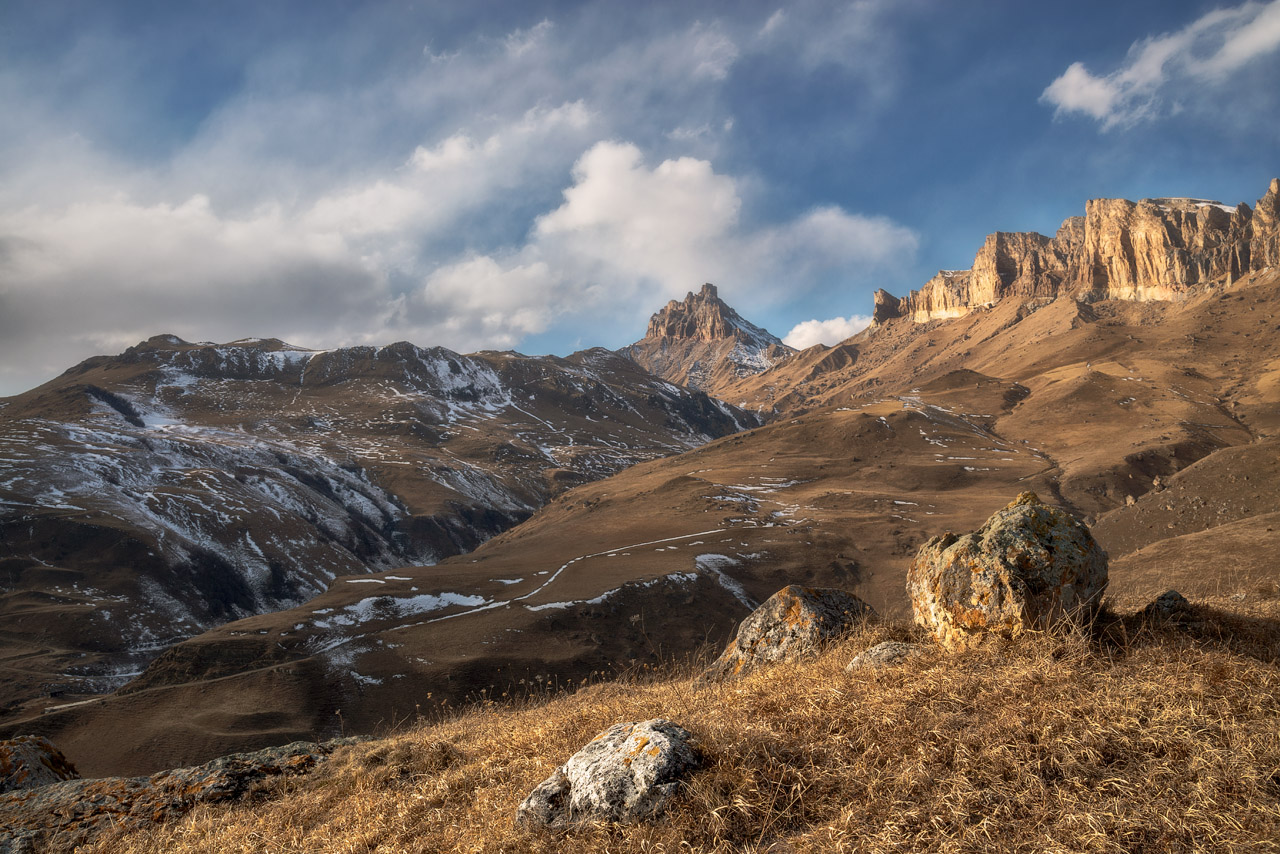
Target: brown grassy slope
column 1148, row 740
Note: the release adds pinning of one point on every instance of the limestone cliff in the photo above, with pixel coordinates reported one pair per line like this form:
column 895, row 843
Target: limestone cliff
column 1158, row 249
column 703, row 343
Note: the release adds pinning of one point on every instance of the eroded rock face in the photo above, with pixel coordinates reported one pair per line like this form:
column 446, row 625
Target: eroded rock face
column 60, row 816
column 31, row 761
column 1154, row 249
column 701, row 342
column 886, row 654
column 1264, row 246
column 626, row 773
column 1029, row 567
column 792, row 623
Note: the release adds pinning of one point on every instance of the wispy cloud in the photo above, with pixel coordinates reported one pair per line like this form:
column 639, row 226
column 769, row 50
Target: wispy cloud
column 1161, row 70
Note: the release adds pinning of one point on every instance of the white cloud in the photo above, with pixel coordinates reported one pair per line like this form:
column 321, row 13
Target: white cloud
column 471, row 197
column 1169, row 66
column 833, row 331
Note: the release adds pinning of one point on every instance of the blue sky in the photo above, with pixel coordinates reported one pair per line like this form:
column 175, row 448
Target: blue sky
column 544, row 175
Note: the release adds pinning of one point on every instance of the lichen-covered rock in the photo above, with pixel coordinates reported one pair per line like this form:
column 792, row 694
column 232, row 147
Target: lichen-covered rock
column 31, row 761
column 60, row 816
column 886, row 654
column 792, row 623
column 625, row 774
column 1029, row 567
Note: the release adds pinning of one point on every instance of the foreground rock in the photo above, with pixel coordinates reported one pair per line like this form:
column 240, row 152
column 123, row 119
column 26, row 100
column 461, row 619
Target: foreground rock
column 30, row 761
column 60, row 816
column 886, row 654
column 1029, row 567
column 792, row 623
column 627, row 773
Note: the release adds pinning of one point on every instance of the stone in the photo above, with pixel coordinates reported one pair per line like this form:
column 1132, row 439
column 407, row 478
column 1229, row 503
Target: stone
column 63, row 815
column 1029, row 567
column 1170, row 607
column 31, row 761
column 793, row 623
column 886, row 654
column 627, row 773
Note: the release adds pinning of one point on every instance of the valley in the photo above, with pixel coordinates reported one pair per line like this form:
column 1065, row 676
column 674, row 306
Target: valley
column 1157, row 421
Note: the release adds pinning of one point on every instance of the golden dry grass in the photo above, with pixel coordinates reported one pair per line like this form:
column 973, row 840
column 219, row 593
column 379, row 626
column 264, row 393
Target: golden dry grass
column 1144, row 740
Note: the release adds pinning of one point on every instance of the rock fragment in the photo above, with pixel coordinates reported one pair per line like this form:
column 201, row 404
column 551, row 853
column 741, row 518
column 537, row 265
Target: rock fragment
column 31, row 761
column 1030, row 566
column 886, row 654
column 625, row 774
column 792, row 623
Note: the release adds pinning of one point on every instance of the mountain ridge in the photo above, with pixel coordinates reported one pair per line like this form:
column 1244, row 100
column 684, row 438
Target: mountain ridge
column 1151, row 249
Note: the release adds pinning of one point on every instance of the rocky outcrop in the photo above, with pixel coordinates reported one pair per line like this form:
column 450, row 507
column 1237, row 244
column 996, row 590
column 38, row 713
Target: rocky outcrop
column 60, row 816
column 1031, row 566
column 31, row 761
column 625, row 774
column 1154, row 249
column 702, row 343
column 792, row 623
column 886, row 654
column 1264, row 244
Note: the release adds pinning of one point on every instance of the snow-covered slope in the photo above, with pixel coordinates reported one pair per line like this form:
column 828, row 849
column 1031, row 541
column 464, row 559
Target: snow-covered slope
column 148, row 496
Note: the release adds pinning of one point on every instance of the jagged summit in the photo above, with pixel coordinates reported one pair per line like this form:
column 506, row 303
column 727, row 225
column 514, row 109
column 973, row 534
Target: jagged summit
column 702, row 342
column 705, row 317
column 1153, row 249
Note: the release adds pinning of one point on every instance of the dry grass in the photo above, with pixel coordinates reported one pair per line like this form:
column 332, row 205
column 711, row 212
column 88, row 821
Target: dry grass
column 1161, row 741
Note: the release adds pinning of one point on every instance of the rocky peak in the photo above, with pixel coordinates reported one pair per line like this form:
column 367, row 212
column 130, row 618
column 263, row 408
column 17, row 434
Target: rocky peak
column 702, row 342
column 705, row 317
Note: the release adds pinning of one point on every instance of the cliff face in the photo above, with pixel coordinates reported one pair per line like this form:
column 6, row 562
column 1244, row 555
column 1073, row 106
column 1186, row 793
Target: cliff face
column 1157, row 249
column 703, row 343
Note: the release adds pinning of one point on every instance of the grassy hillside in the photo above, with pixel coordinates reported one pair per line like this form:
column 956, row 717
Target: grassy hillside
column 1133, row 739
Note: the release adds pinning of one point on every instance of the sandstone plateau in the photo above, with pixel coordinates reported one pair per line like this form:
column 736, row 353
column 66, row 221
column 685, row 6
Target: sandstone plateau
column 1154, row 249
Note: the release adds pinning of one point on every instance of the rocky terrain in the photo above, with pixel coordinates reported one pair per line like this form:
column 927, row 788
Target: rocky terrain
column 702, row 343
column 1154, row 249
column 150, row 496
column 1157, row 421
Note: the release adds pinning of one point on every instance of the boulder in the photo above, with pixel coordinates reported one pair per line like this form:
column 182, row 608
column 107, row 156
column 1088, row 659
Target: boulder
column 886, row 654
column 1030, row 566
column 31, row 761
column 792, row 623
column 626, row 773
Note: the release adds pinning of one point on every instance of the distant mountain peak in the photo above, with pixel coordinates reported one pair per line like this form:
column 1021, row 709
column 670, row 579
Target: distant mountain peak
column 705, row 317
column 702, row 342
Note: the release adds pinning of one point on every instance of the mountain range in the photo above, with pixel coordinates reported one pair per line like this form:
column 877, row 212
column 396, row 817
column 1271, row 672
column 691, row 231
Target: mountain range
column 448, row 528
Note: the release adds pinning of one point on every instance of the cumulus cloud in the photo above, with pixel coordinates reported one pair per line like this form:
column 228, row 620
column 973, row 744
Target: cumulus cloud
column 833, row 331
column 1163, row 68
column 392, row 206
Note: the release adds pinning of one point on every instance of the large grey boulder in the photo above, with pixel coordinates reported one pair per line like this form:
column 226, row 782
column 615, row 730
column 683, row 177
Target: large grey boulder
column 1029, row 567
column 31, row 761
column 625, row 774
column 793, row 623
